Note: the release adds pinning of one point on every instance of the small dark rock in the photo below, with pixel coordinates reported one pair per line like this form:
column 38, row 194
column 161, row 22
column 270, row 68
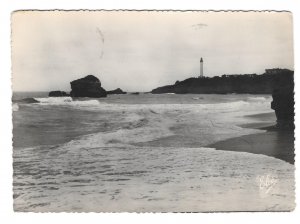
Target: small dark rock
column 27, row 100
column 57, row 94
column 116, row 91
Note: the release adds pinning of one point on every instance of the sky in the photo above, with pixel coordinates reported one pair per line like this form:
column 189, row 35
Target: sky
column 139, row 51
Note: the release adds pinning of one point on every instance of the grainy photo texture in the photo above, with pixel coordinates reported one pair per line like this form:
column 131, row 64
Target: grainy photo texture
column 152, row 111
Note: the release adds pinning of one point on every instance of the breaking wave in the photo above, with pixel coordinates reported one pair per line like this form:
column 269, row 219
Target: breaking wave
column 67, row 101
column 61, row 101
column 249, row 104
column 258, row 98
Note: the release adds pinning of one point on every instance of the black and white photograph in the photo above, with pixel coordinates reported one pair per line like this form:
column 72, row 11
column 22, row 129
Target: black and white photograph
column 152, row 111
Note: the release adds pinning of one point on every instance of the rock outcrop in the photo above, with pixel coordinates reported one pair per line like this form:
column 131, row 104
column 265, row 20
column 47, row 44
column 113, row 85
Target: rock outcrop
column 57, row 93
column 116, row 91
column 89, row 86
column 283, row 104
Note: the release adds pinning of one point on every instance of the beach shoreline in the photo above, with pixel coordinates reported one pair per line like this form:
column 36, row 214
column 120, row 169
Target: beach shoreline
column 275, row 142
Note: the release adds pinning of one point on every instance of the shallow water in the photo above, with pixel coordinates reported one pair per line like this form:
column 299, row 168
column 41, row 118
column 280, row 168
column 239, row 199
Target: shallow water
column 142, row 153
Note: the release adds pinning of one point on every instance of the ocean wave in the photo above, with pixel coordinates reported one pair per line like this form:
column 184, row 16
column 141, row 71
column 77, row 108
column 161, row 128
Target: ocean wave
column 158, row 108
column 259, row 98
column 143, row 127
column 145, row 123
column 124, row 124
column 67, row 101
column 248, row 104
column 28, row 100
column 227, row 105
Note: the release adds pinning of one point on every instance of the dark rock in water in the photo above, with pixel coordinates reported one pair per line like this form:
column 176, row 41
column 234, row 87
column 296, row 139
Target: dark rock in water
column 28, row 100
column 116, row 91
column 57, row 94
column 283, row 104
column 89, row 86
column 135, row 93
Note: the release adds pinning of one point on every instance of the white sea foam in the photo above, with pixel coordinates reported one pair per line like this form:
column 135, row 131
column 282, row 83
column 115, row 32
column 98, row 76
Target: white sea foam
column 196, row 98
column 208, row 123
column 15, row 107
column 54, row 100
column 141, row 126
column 259, row 98
column 150, row 179
column 242, row 106
column 257, row 104
column 68, row 101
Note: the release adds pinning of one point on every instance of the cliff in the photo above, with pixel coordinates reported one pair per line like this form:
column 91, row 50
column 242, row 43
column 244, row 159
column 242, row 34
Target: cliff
column 247, row 83
column 89, row 86
column 283, row 104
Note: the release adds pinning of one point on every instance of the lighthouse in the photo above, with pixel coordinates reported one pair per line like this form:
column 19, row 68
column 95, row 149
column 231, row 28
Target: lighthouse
column 201, row 68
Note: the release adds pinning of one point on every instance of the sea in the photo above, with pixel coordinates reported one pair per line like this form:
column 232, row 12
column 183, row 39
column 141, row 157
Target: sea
column 143, row 153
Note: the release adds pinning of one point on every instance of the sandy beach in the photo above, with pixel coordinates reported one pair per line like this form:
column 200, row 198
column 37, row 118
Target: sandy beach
column 274, row 142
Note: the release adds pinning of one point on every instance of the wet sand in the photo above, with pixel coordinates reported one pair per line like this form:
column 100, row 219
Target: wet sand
column 275, row 142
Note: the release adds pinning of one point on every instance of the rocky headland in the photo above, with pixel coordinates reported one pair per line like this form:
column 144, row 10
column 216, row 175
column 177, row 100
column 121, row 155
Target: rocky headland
column 278, row 82
column 226, row 84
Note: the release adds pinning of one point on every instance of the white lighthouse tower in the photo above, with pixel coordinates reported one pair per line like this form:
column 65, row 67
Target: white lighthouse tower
column 201, row 68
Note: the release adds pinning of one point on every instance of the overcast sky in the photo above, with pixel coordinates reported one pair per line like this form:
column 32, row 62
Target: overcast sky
column 139, row 51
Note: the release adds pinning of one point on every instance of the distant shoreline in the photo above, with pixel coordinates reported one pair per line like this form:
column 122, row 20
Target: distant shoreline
column 227, row 84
